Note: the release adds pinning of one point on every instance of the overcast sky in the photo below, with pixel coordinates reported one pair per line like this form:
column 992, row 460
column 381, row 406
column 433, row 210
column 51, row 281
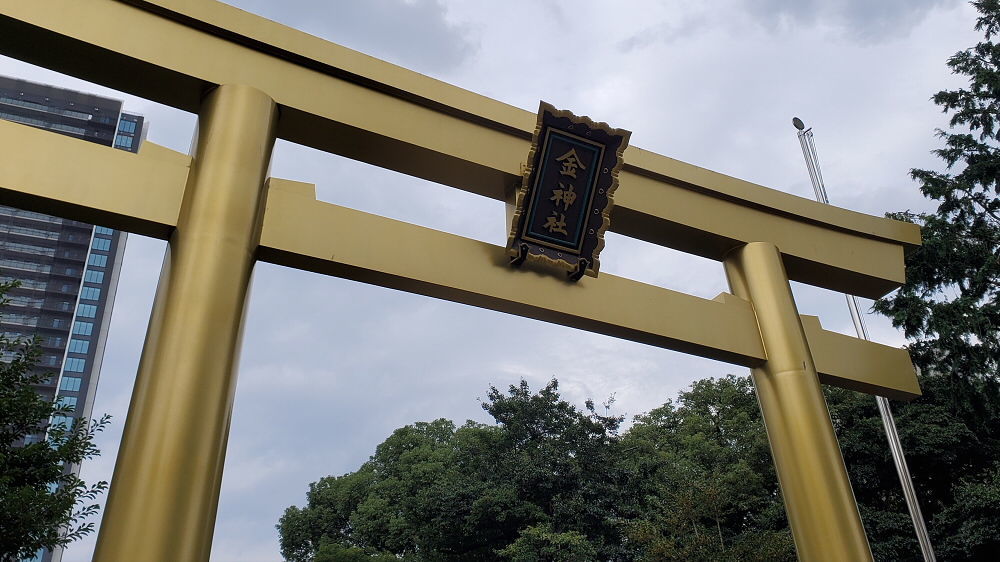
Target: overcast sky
column 330, row 367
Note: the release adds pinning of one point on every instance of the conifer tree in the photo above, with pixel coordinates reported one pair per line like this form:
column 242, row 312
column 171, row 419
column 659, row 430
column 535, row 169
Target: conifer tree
column 950, row 304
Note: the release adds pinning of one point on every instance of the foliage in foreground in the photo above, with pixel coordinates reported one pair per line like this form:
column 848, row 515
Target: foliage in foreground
column 40, row 505
column 690, row 480
column 949, row 309
column 950, row 438
column 950, row 305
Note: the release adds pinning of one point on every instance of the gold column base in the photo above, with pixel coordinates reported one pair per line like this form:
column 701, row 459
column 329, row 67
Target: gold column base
column 820, row 504
column 165, row 490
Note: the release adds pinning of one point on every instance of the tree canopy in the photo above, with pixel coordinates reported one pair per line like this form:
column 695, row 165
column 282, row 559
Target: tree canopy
column 949, row 309
column 950, row 304
column 950, row 456
column 41, row 504
column 690, row 480
column 549, row 481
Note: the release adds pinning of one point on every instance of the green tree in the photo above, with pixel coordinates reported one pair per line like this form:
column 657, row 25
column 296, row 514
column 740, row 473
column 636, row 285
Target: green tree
column 546, row 477
column 690, row 480
column 949, row 308
column 41, row 505
column 705, row 480
column 541, row 542
column 334, row 552
column 950, row 458
column 950, row 304
column 552, row 482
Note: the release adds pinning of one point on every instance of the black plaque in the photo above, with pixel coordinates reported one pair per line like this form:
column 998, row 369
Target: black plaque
column 564, row 204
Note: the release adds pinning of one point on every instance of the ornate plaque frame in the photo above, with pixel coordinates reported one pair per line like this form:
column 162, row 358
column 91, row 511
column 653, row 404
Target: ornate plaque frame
column 577, row 211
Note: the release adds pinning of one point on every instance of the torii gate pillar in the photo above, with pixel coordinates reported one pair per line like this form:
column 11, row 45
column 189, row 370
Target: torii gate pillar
column 822, row 512
column 169, row 470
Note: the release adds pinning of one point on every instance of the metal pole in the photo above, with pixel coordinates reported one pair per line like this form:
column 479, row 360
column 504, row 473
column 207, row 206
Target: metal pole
column 888, row 422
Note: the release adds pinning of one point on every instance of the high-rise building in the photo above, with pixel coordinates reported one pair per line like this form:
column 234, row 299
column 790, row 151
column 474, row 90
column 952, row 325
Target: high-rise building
column 68, row 269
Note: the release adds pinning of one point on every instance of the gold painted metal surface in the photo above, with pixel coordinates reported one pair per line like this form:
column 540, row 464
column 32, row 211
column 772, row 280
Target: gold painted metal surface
column 142, row 193
column 165, row 489
column 304, row 233
column 708, row 225
column 861, row 365
column 138, row 193
column 341, row 101
column 822, row 512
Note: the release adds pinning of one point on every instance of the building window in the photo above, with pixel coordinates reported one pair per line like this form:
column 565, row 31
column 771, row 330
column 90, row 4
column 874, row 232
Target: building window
column 90, row 293
column 79, row 346
column 25, row 265
column 30, row 249
column 71, row 384
column 86, row 310
column 83, row 328
column 65, row 421
column 75, row 365
column 66, row 402
column 32, row 438
column 104, row 230
column 67, row 128
column 28, row 231
column 123, row 141
column 94, row 276
column 25, row 283
column 58, row 322
column 98, row 260
column 126, row 126
column 103, row 244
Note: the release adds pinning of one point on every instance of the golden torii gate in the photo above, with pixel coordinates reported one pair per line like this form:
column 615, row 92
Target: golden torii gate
column 250, row 81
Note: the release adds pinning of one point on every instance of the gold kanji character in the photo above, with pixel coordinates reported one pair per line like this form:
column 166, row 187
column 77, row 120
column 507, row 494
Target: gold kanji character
column 570, row 162
column 566, row 195
column 554, row 225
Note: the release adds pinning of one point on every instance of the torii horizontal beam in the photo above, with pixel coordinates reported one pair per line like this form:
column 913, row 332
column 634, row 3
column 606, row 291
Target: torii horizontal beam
column 341, row 101
column 142, row 193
